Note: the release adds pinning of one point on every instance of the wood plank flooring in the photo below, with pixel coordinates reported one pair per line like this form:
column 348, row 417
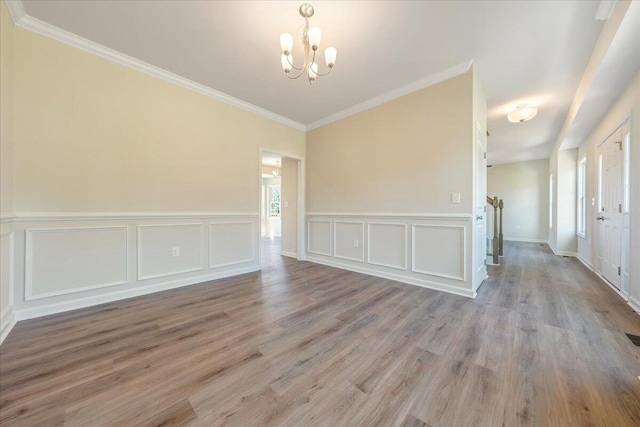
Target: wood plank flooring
column 301, row 344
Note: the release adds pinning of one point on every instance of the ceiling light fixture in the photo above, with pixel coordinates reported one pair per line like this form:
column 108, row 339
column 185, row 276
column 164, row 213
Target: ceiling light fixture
column 522, row 113
column 310, row 39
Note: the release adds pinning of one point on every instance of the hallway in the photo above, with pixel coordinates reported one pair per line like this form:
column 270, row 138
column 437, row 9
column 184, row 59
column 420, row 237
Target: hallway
column 305, row 344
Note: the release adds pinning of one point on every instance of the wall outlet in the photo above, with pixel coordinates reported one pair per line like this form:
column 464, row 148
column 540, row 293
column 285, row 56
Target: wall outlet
column 455, row 198
column 356, row 244
column 175, row 251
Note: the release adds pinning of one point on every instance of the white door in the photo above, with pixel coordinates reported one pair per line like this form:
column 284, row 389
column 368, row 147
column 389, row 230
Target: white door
column 480, row 235
column 610, row 203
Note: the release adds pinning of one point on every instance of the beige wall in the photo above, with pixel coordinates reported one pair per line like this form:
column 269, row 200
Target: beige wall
column 524, row 187
column 6, row 168
column 407, row 155
column 94, row 136
column 6, row 99
column 289, row 240
column 627, row 105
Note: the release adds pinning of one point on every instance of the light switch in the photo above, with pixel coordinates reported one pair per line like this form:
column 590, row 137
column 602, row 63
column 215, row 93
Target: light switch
column 455, row 197
column 286, row 204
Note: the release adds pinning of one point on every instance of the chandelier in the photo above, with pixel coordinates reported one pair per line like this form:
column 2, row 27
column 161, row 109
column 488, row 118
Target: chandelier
column 310, row 39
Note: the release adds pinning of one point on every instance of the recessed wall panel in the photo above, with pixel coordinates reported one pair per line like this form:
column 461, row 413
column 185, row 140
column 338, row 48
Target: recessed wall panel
column 319, row 235
column 169, row 249
column 231, row 243
column 438, row 250
column 348, row 238
column 388, row 245
column 65, row 260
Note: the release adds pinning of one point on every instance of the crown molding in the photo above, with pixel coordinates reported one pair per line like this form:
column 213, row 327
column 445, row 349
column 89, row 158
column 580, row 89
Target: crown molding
column 425, row 82
column 21, row 19
column 16, row 10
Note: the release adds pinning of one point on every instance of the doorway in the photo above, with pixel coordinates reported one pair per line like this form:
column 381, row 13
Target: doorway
column 281, row 206
column 613, row 207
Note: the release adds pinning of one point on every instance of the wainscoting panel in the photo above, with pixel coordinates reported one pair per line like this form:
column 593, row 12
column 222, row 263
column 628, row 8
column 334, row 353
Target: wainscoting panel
column 169, row 249
column 387, row 245
column 7, row 318
column 438, row 250
column 348, row 237
column 436, row 253
column 319, row 237
column 231, row 243
column 66, row 260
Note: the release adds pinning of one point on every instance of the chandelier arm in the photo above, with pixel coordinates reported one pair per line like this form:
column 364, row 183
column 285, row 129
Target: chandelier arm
column 293, row 66
column 299, row 74
column 324, row 74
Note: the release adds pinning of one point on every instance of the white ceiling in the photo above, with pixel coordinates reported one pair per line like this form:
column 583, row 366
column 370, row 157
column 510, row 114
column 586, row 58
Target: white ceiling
column 532, row 51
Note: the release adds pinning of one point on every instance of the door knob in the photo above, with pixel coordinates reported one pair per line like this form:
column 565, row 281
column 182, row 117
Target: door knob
column 600, row 218
column 479, row 217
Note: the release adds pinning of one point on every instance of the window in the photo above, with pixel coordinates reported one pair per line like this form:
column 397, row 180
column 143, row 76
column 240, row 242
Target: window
column 582, row 197
column 273, row 205
column 551, row 201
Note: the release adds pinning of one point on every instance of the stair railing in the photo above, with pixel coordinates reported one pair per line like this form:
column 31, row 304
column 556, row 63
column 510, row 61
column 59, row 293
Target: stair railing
column 497, row 243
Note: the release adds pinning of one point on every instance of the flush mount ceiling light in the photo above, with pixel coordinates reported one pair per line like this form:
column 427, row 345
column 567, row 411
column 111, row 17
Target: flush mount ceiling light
column 310, row 40
column 522, row 113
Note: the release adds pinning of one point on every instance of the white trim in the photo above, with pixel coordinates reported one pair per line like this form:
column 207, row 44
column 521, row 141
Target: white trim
column 335, row 246
column 309, row 251
column 289, row 254
column 16, row 10
column 253, row 249
column 462, row 278
column 170, row 273
column 406, row 245
column 121, row 216
column 560, row 253
column 30, row 313
column 393, row 94
column 397, row 277
column 635, row 304
column 8, row 321
column 605, row 9
column 445, row 216
column 525, row 240
column 616, row 290
column 27, row 22
column 584, row 262
column 28, row 273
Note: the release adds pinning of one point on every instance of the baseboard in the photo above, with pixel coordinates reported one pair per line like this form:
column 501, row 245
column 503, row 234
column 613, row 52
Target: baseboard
column 561, row 253
column 45, row 310
column 584, row 262
column 7, row 322
column 397, row 277
column 524, row 240
column 635, row 304
column 289, row 254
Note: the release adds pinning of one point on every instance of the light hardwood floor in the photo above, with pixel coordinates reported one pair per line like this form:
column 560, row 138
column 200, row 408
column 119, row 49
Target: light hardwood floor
column 302, row 344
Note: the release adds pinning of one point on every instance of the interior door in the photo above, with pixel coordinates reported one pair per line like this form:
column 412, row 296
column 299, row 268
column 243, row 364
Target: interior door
column 480, row 224
column 610, row 200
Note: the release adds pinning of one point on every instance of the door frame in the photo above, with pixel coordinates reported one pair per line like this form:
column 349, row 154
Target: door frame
column 300, row 208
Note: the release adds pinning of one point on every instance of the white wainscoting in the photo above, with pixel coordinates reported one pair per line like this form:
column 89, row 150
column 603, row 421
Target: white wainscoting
column 445, row 259
column 387, row 245
column 66, row 260
column 319, row 237
column 69, row 261
column 7, row 317
column 156, row 243
column 231, row 243
column 348, row 237
column 438, row 249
